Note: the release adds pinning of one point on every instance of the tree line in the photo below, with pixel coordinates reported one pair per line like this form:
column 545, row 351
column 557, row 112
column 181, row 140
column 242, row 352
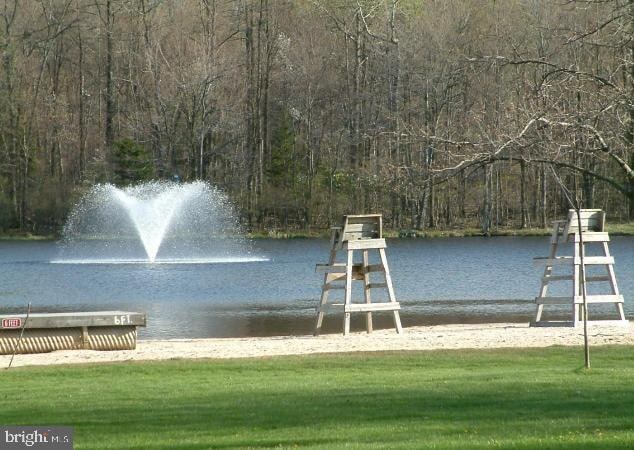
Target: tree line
column 437, row 113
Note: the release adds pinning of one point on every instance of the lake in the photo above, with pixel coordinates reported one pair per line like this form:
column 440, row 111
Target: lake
column 451, row 280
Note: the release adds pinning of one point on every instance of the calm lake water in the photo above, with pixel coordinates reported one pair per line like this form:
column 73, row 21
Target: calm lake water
column 461, row 280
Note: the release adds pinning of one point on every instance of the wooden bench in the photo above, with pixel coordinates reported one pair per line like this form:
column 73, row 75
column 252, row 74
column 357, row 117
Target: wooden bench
column 46, row 332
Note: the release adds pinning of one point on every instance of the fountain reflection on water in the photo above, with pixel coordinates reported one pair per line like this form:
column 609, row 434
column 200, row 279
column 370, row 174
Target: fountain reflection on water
column 154, row 222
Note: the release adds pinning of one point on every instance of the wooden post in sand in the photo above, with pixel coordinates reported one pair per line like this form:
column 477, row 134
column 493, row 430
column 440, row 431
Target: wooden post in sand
column 585, row 229
column 362, row 233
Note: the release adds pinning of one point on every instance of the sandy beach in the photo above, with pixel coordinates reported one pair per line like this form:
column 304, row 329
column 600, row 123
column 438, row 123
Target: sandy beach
column 480, row 336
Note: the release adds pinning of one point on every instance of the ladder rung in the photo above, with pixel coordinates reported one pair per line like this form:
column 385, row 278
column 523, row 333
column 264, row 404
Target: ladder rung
column 557, row 277
column 331, row 307
column 594, row 279
column 337, row 276
column 595, row 260
column 592, row 236
column 600, row 299
column 330, row 268
column 559, row 260
column 377, row 285
column 570, row 260
column 330, row 286
column 570, row 277
column 336, row 268
column 599, row 236
column 579, row 299
column 360, row 307
column 365, row 244
column 341, row 268
column 553, row 300
column 366, row 307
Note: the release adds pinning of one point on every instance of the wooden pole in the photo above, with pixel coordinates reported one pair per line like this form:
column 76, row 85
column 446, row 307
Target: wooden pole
column 576, row 204
column 17, row 344
column 586, row 346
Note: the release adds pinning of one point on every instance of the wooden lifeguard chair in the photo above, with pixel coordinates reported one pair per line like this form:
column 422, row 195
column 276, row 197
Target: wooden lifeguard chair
column 364, row 233
column 593, row 233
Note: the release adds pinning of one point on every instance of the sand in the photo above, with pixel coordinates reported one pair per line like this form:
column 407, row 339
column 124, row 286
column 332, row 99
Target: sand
column 480, row 336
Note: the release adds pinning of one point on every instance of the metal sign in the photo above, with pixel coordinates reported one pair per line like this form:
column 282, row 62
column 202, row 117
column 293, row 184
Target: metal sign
column 13, row 322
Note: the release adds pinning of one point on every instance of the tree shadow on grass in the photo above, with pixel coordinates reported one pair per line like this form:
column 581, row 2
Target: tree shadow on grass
column 386, row 401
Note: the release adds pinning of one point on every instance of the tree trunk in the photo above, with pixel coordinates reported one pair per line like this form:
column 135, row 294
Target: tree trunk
column 487, row 201
column 462, row 193
column 81, row 118
column 523, row 204
column 109, row 118
column 542, row 192
column 251, row 131
column 432, row 203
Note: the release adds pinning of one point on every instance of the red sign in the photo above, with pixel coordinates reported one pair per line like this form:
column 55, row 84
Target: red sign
column 14, row 322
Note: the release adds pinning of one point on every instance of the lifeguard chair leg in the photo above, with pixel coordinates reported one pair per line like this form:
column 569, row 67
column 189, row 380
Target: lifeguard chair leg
column 614, row 287
column 540, row 310
column 390, row 290
column 346, row 320
column 576, row 285
column 548, row 270
column 366, row 289
column 324, row 292
column 320, row 313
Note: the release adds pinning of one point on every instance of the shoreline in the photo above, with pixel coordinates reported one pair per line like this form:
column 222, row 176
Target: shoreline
column 417, row 338
column 615, row 229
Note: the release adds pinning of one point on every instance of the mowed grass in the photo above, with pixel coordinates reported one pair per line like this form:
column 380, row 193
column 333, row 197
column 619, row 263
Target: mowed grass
column 518, row 399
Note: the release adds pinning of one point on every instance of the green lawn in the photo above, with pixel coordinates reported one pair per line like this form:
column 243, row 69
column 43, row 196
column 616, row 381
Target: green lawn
column 452, row 399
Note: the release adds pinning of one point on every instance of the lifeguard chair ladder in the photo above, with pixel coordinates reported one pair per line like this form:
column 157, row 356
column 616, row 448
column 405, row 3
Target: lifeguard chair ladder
column 593, row 233
column 359, row 233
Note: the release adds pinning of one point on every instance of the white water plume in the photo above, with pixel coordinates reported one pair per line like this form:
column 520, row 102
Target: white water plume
column 154, row 222
column 152, row 216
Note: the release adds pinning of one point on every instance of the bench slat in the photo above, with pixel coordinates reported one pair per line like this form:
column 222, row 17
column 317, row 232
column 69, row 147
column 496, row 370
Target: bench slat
column 79, row 319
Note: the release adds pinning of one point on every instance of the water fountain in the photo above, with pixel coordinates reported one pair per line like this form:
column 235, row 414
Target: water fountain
column 154, row 222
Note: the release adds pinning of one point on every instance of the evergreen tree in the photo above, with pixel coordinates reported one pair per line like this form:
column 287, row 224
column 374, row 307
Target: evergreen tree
column 132, row 162
column 282, row 170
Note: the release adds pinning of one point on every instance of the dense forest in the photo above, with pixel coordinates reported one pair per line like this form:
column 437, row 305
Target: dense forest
column 437, row 113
